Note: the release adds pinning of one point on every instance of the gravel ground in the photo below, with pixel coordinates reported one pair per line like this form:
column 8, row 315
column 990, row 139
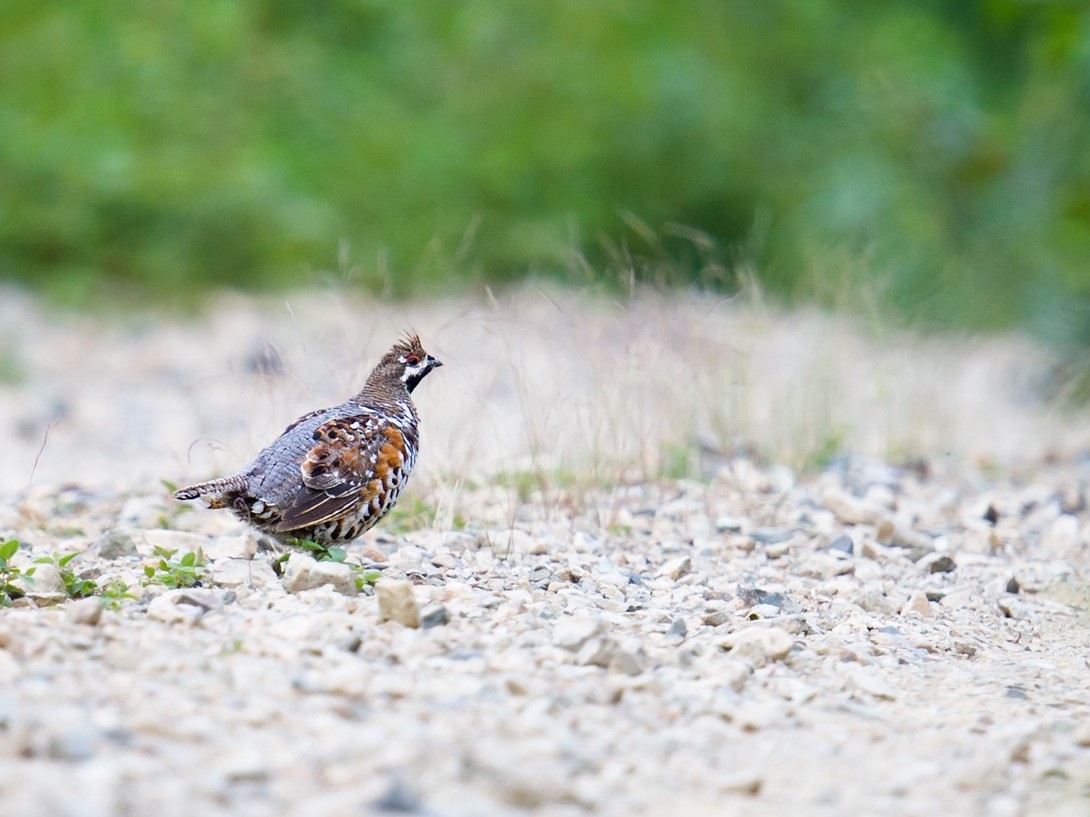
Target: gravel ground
column 633, row 574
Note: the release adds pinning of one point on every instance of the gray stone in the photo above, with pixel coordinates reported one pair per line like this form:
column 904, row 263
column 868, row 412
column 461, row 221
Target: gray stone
column 842, row 543
column 942, row 564
column 435, row 616
column 770, row 536
column 113, row 544
column 399, row 798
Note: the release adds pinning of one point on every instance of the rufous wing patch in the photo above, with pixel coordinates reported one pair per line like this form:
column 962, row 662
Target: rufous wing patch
column 336, row 470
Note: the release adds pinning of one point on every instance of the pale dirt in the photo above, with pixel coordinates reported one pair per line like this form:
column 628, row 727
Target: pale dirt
column 754, row 638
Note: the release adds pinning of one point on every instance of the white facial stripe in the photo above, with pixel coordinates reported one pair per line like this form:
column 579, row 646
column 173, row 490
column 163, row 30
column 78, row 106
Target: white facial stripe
column 413, row 371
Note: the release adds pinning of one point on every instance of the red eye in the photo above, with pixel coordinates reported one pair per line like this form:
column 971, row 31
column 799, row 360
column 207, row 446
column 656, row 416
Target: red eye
column 412, row 360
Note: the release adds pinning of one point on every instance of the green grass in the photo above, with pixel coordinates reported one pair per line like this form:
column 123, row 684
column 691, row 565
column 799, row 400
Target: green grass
column 411, row 513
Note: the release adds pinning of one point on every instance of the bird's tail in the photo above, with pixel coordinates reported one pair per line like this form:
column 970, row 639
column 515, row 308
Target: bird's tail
column 237, row 482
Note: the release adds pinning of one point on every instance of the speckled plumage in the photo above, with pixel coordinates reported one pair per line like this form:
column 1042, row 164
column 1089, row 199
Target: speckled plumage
column 334, row 472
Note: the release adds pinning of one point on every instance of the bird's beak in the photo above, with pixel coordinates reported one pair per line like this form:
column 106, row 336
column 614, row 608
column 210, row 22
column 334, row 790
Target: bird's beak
column 434, row 362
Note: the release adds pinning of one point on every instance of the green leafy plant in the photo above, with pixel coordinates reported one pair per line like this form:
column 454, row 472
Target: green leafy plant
column 186, row 571
column 321, row 553
column 74, row 585
column 114, row 592
column 10, row 574
column 365, row 577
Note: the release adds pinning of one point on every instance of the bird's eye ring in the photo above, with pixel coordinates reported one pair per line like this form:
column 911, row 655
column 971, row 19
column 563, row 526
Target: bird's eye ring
column 412, row 360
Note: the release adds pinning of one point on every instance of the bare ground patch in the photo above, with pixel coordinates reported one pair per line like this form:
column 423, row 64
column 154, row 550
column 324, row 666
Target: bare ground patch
column 658, row 583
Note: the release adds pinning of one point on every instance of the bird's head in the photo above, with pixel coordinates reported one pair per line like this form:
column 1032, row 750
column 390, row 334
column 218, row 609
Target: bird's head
column 407, row 362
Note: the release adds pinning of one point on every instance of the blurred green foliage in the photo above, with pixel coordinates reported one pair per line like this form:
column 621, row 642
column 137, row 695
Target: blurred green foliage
column 937, row 151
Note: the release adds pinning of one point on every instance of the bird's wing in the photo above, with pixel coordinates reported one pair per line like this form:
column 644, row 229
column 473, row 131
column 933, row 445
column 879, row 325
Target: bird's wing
column 346, row 469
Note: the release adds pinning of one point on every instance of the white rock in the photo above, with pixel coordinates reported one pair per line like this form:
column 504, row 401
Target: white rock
column 597, row 652
column 165, row 607
column 1062, row 539
column 47, row 583
column 397, row 602
column 626, row 662
column 676, row 568
column 760, row 645
column 230, row 547
column 733, row 672
column 849, row 509
column 918, row 604
column 243, row 573
column 572, row 633
column 868, row 681
column 304, row 573
column 729, row 524
column 875, row 601
column 896, row 535
column 85, row 611
column 1013, row 607
column 9, row 668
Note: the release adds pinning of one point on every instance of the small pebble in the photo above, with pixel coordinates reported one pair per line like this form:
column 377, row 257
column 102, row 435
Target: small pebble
column 677, row 628
column 919, row 604
column 572, row 633
column 434, row 617
column 760, row 645
column 397, row 602
column 842, row 543
column 1012, row 607
column 770, row 536
column 676, row 568
column 114, row 544
column 943, row 564
column 85, row 611
column 399, row 798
